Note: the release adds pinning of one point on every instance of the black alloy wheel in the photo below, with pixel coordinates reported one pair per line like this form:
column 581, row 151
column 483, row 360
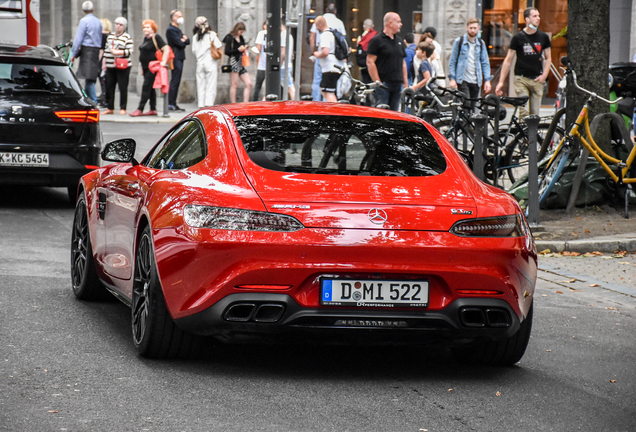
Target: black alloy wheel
column 155, row 334
column 86, row 284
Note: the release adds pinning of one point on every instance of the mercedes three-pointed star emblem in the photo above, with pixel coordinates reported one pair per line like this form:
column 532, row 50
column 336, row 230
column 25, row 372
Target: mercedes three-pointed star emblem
column 377, row 216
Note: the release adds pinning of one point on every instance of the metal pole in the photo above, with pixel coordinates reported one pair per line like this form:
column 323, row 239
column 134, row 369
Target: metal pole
column 299, row 49
column 273, row 48
column 480, row 121
column 165, row 103
column 533, row 172
column 493, row 99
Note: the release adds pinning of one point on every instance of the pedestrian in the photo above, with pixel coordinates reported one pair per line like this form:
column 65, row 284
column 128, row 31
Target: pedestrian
column 368, row 33
column 385, row 61
column 289, row 55
column 177, row 41
column 147, row 53
column 530, row 45
column 328, row 61
column 87, row 45
column 119, row 49
column 436, row 58
column 314, row 43
column 410, row 54
column 423, row 52
column 261, row 65
column 469, row 66
column 107, row 28
column 207, row 67
column 235, row 46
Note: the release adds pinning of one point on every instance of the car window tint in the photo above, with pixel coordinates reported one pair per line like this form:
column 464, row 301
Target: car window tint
column 341, row 145
column 32, row 78
column 182, row 148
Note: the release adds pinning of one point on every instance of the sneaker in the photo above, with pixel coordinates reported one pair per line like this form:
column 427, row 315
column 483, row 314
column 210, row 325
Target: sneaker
column 122, row 112
column 179, row 108
column 108, row 111
column 150, row 113
column 136, row 113
column 175, row 108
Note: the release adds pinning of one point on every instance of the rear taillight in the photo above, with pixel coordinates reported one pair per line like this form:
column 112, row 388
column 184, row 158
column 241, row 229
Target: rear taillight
column 501, row 226
column 79, row 116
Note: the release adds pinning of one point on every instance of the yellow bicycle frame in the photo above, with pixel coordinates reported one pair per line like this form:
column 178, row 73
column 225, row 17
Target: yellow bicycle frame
column 595, row 150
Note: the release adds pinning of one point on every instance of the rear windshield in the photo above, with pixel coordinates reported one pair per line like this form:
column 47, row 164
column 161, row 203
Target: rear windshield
column 341, row 145
column 29, row 78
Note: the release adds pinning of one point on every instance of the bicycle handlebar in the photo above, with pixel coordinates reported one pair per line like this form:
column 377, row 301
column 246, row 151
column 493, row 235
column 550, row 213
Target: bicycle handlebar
column 364, row 86
column 571, row 71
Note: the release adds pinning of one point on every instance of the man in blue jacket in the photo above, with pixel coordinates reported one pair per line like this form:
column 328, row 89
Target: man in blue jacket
column 469, row 66
column 86, row 46
column 177, row 41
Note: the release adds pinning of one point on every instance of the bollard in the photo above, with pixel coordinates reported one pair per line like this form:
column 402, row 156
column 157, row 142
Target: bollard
column 533, row 172
column 165, row 103
column 480, row 121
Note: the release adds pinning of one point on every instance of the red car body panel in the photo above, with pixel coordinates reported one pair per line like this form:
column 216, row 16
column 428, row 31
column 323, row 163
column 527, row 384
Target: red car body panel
column 198, row 267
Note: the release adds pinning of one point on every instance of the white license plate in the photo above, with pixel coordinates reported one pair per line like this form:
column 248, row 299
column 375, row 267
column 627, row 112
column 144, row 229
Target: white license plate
column 24, row 159
column 373, row 293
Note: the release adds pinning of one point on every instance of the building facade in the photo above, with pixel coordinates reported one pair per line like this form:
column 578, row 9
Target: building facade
column 500, row 18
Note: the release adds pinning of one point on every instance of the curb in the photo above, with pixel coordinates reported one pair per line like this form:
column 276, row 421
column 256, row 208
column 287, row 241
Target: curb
column 622, row 242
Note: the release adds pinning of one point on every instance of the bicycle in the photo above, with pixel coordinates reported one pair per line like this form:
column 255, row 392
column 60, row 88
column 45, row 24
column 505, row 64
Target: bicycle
column 64, row 52
column 624, row 171
column 361, row 92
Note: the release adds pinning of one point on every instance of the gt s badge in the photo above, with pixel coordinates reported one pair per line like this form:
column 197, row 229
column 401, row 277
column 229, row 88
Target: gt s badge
column 461, row 211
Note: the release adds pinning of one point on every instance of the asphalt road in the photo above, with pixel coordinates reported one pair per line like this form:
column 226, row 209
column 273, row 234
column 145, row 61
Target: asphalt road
column 70, row 365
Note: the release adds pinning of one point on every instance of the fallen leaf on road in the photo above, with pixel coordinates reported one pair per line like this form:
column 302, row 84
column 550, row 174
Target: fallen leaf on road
column 575, row 234
column 610, row 308
column 587, row 231
column 548, row 350
column 559, row 292
column 612, row 381
column 624, row 262
column 450, row 390
column 593, row 285
column 544, row 251
column 498, row 394
column 52, row 411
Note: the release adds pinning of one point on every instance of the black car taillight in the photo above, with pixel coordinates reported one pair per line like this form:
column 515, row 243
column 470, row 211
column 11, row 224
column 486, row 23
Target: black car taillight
column 500, row 226
column 79, row 116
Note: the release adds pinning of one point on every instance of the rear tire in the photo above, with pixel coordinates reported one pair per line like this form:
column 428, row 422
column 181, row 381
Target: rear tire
column 86, row 285
column 155, row 334
column 505, row 352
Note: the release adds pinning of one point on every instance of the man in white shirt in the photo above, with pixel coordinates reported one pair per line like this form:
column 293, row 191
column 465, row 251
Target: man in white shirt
column 314, row 42
column 328, row 60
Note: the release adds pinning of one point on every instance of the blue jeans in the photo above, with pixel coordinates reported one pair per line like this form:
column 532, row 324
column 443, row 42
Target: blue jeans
column 89, row 87
column 390, row 97
column 316, row 93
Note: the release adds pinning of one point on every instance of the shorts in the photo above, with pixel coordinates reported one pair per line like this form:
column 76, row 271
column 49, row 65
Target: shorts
column 290, row 81
column 329, row 82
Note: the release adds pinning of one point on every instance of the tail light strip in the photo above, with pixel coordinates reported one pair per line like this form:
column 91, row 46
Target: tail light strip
column 77, row 116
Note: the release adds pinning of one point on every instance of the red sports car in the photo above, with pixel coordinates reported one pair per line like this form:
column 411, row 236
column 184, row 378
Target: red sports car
column 305, row 221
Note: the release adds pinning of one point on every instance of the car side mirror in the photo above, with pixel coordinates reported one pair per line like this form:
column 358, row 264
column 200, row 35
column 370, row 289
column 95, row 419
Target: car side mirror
column 122, row 150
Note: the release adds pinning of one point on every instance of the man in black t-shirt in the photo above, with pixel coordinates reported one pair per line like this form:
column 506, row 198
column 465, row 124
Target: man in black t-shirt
column 385, row 62
column 530, row 45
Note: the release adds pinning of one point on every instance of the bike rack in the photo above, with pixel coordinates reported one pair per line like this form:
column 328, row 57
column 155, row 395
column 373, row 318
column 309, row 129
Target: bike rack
column 533, row 213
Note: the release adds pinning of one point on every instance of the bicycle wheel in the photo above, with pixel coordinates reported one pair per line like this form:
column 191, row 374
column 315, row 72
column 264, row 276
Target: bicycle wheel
column 516, row 156
column 552, row 173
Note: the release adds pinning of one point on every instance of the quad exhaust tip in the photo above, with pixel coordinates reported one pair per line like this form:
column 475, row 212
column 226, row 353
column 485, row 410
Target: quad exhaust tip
column 254, row 312
column 484, row 317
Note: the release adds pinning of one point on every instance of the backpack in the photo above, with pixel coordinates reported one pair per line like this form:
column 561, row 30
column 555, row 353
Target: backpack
column 361, row 57
column 342, row 47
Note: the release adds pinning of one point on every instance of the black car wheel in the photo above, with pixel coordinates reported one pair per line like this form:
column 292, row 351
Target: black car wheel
column 497, row 353
column 154, row 332
column 86, row 284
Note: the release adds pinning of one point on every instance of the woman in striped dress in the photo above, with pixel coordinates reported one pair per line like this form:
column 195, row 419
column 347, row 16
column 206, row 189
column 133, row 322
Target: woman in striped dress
column 119, row 44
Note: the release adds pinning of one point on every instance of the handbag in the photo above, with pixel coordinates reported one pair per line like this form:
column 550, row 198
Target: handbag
column 121, row 63
column 226, row 68
column 159, row 54
column 216, row 52
column 245, row 59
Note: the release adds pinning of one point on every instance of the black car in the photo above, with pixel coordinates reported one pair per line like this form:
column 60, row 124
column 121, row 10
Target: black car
column 49, row 129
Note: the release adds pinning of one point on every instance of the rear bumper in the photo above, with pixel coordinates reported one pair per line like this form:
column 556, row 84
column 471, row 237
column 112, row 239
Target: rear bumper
column 65, row 168
column 277, row 317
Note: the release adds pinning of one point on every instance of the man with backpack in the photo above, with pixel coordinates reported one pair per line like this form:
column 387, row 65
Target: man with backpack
column 326, row 54
column 314, row 42
column 469, row 66
column 385, row 60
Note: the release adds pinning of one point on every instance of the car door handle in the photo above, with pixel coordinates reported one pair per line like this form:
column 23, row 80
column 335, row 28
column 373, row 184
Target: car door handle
column 132, row 186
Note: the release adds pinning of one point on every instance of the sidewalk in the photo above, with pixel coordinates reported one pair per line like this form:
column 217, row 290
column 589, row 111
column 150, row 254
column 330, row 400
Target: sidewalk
column 133, row 102
column 606, row 244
